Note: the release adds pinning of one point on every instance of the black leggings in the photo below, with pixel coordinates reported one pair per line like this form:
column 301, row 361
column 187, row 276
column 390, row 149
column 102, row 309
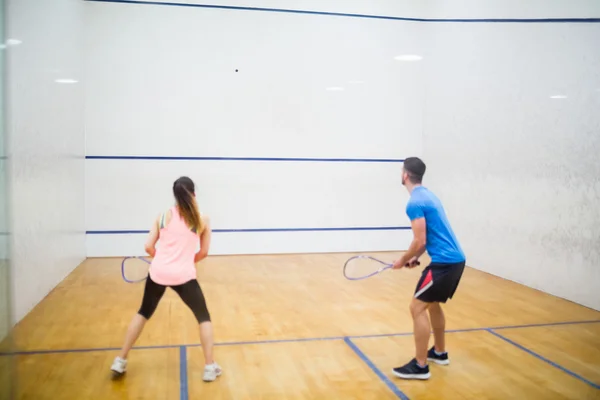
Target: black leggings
column 190, row 293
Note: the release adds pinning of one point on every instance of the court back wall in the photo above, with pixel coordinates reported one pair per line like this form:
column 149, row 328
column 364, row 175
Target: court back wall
column 477, row 107
column 162, row 82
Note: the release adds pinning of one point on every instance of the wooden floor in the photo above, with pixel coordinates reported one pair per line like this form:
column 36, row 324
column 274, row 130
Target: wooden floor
column 291, row 327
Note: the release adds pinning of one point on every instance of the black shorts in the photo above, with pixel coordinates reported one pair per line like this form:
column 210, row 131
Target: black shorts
column 439, row 282
column 190, row 293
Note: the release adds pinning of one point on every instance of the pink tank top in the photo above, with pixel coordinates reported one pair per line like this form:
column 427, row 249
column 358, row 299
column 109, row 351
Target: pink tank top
column 173, row 263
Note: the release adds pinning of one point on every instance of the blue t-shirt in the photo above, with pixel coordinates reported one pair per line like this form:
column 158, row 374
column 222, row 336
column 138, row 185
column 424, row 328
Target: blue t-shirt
column 442, row 245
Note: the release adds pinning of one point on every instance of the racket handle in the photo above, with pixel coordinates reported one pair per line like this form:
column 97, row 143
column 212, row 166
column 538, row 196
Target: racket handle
column 417, row 263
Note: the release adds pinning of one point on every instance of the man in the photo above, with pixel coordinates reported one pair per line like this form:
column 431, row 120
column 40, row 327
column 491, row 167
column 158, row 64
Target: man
column 432, row 232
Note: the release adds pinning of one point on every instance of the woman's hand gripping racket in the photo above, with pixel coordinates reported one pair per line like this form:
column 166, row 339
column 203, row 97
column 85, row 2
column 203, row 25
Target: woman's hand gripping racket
column 135, row 269
column 363, row 267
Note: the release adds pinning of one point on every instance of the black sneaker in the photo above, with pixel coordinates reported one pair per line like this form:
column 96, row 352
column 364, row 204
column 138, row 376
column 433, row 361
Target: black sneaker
column 441, row 359
column 412, row 370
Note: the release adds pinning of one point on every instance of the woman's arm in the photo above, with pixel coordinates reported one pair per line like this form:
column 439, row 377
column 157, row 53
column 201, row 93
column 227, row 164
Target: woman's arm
column 150, row 245
column 204, row 240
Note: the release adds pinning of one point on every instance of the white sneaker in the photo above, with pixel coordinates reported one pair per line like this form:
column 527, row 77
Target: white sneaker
column 211, row 372
column 119, row 366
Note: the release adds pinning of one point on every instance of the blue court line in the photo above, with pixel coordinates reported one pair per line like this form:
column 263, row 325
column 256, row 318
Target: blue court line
column 183, row 378
column 546, row 324
column 191, row 158
column 377, row 371
column 356, row 228
column 351, row 15
column 479, row 329
column 88, row 350
column 174, row 346
column 347, row 339
column 267, row 341
column 573, row 374
column 317, row 339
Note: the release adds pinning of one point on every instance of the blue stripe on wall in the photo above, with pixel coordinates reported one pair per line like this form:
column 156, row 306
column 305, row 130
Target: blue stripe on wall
column 185, row 158
column 335, row 14
column 361, row 228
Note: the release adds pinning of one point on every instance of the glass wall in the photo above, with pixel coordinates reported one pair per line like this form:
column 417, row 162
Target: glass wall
column 7, row 382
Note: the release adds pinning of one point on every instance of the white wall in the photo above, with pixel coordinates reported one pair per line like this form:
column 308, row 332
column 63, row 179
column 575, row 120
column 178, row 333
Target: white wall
column 517, row 170
column 46, row 146
column 5, row 295
column 422, row 9
column 162, row 82
column 511, row 9
column 394, row 8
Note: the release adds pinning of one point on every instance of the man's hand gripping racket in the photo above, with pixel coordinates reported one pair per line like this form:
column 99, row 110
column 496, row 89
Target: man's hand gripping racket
column 413, row 262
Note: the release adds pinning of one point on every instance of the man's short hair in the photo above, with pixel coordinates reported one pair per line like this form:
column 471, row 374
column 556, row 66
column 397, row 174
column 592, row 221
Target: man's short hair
column 415, row 168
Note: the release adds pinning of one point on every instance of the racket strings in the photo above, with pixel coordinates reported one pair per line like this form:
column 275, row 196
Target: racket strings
column 135, row 269
column 362, row 267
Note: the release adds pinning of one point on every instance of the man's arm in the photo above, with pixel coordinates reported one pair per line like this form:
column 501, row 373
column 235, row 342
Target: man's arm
column 416, row 214
column 417, row 247
column 420, row 253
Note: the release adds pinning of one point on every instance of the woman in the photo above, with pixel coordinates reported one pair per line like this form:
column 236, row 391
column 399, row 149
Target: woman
column 173, row 265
